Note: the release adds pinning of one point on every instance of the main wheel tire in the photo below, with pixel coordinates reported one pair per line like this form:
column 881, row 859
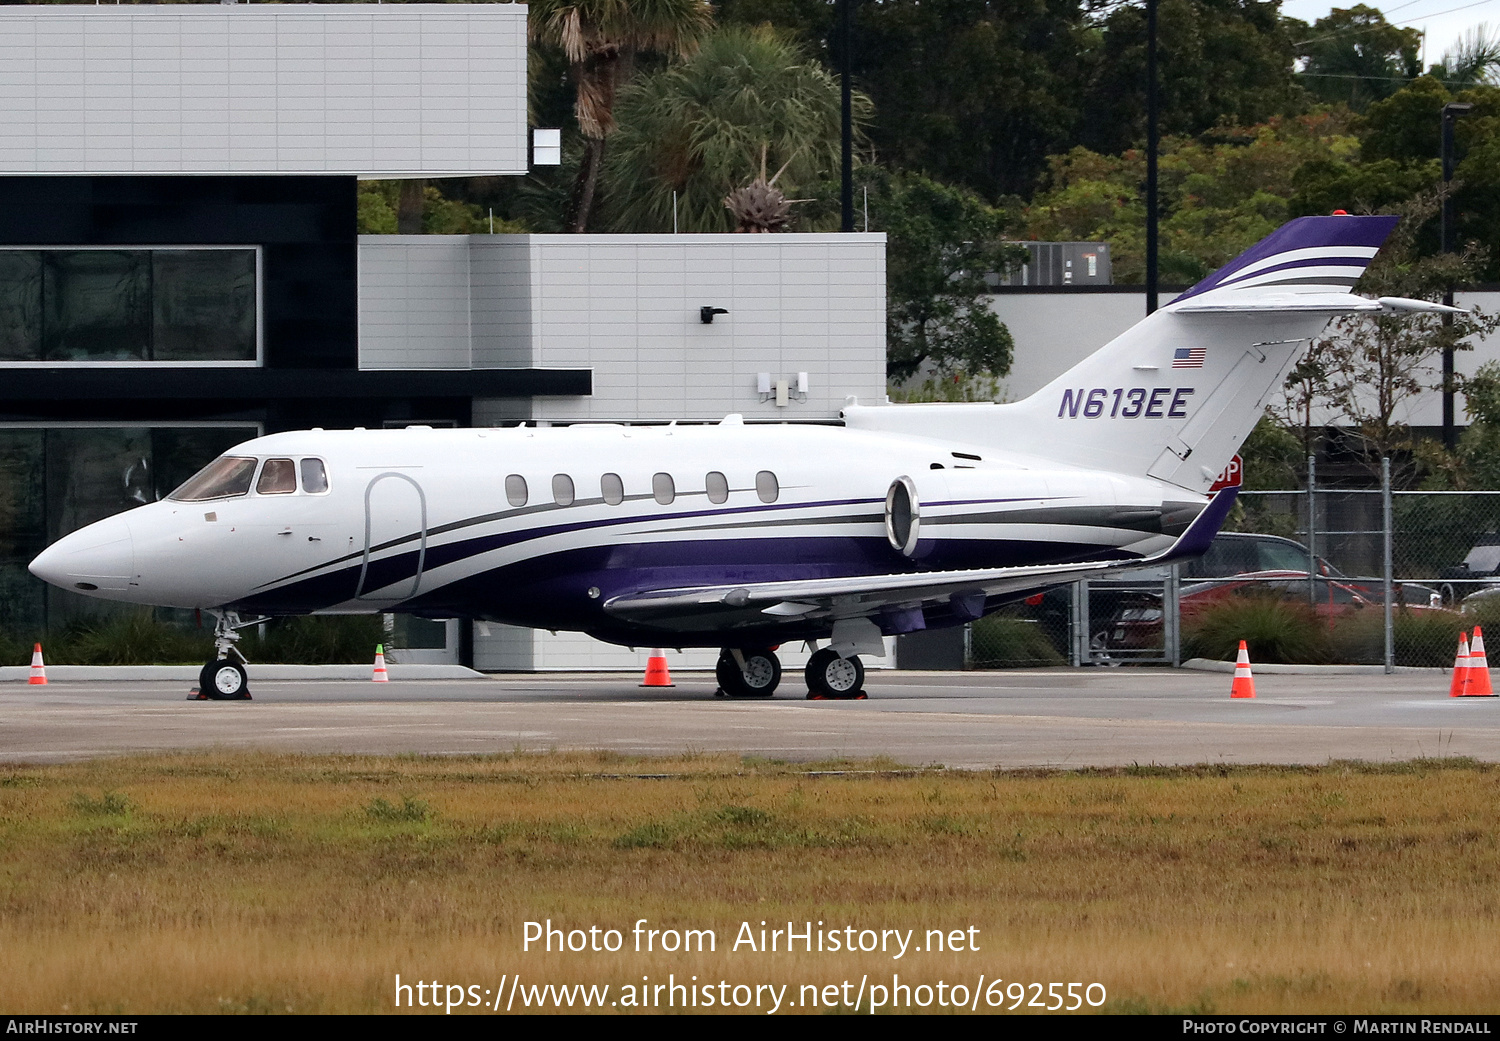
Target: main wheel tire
column 758, row 679
column 224, row 680
column 831, row 677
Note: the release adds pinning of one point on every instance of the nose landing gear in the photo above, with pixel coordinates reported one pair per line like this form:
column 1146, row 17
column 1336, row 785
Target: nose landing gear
column 224, row 679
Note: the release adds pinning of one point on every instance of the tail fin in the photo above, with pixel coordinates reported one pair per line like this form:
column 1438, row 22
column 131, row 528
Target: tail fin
column 1174, row 396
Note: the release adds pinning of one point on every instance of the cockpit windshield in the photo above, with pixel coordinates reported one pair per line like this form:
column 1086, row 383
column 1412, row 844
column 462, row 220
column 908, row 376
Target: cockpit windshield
column 225, row 477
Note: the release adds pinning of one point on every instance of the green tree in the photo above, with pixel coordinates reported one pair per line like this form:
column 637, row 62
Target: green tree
column 379, row 204
column 942, row 242
column 1219, row 62
column 1221, row 193
column 1475, row 461
column 1473, row 61
column 600, row 40
column 1376, row 363
column 1355, row 56
column 749, row 103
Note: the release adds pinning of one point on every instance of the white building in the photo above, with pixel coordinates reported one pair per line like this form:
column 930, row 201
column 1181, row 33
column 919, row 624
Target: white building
column 181, row 188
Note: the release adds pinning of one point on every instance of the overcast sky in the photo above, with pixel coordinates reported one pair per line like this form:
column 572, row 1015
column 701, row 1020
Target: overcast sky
column 1442, row 20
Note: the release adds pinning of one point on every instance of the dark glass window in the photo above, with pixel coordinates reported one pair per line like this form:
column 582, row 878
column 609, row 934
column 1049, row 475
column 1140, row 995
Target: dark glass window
column 23, row 529
column 612, row 488
column 56, row 480
column 96, row 305
column 277, row 477
column 20, row 306
column 718, row 487
column 203, row 304
column 123, row 305
column 314, row 477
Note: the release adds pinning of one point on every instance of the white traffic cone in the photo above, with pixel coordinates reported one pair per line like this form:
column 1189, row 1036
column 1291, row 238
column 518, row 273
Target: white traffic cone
column 38, row 670
column 381, row 676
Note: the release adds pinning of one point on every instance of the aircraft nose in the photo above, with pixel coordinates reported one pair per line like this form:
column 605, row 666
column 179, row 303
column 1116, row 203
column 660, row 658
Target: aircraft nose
column 98, row 558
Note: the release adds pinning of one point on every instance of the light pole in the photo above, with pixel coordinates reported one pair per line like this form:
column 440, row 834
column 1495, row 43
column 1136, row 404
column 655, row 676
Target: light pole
column 1153, row 143
column 1451, row 112
column 846, row 101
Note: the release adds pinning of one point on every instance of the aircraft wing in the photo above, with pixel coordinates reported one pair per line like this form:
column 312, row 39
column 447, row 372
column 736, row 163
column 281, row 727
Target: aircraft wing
column 860, row 596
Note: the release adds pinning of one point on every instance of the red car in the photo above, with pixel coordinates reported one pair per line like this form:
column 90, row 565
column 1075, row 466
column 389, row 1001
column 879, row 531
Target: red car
column 1139, row 627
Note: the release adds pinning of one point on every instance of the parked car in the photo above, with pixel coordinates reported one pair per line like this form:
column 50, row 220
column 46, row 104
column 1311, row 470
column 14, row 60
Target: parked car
column 1479, row 571
column 1140, row 626
column 1125, row 612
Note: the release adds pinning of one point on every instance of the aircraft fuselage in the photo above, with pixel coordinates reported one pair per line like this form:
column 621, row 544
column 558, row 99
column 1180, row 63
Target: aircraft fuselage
column 545, row 527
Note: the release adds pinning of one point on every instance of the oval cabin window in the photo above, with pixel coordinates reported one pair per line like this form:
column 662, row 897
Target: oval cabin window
column 562, row 489
column 612, row 488
column 663, row 489
column 766, row 486
column 718, row 487
column 515, row 490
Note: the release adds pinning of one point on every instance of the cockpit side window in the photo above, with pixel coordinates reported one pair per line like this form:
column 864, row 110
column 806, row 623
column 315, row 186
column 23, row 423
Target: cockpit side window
column 277, row 477
column 224, row 478
column 314, row 477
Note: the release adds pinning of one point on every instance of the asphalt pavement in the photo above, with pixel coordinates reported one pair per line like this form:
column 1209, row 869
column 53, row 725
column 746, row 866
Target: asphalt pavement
column 1032, row 718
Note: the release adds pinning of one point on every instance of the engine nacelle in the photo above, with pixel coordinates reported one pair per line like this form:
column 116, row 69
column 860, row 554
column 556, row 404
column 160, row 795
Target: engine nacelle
column 927, row 509
column 916, row 507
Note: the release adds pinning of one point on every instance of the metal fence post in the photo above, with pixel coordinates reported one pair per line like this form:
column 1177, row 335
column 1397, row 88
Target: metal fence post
column 1171, row 614
column 1312, row 531
column 1080, row 641
column 1386, row 565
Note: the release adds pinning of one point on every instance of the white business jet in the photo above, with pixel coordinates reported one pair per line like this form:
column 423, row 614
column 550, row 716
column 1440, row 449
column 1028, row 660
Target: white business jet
column 744, row 537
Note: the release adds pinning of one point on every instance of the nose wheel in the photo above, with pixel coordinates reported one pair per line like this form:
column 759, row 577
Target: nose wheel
column 748, row 674
column 224, row 679
column 832, row 678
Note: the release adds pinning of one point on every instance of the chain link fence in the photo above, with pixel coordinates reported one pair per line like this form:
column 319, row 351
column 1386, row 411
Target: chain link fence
column 1366, row 576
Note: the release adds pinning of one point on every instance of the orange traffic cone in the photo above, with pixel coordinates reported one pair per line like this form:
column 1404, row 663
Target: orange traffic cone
column 381, row 676
column 656, row 670
column 1479, row 669
column 38, row 670
column 1459, row 686
column 1244, row 683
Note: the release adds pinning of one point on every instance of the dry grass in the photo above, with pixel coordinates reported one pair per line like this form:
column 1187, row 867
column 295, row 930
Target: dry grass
column 246, row 882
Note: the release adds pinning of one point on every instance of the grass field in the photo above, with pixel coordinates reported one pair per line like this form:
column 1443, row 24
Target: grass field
column 251, row 882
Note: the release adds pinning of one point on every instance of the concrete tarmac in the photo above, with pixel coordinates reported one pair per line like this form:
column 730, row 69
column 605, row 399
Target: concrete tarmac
column 1040, row 718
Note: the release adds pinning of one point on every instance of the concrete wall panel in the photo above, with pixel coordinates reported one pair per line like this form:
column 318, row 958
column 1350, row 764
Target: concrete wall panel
column 364, row 89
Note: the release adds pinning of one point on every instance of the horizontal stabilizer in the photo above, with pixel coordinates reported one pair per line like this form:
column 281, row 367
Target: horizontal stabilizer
column 1401, row 304
column 1262, row 303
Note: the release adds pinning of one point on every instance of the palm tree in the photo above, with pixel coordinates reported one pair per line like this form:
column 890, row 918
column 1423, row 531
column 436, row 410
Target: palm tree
column 749, row 100
column 1472, row 60
column 600, row 39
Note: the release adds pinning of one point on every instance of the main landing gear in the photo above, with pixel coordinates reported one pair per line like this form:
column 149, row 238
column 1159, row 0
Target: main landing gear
column 832, row 678
column 748, row 674
column 755, row 674
column 224, row 679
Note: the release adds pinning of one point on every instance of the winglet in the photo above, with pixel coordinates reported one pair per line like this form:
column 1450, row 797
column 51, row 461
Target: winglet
column 1194, row 541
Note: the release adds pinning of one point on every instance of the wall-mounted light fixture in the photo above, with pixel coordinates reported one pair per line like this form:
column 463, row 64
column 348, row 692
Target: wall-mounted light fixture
column 546, row 148
column 706, row 313
column 785, row 390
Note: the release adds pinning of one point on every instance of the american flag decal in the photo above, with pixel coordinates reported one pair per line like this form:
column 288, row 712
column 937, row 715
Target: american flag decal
column 1189, row 357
